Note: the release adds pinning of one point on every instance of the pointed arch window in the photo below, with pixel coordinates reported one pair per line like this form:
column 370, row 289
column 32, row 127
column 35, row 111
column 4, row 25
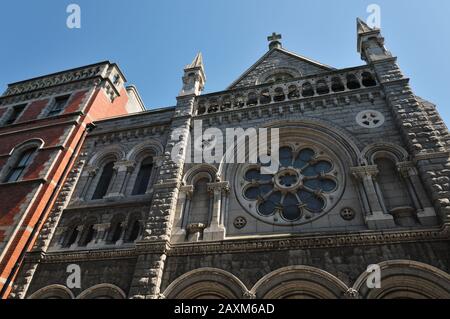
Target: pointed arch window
column 135, row 231
column 71, row 235
column 104, row 181
column 143, row 177
column 88, row 235
column 19, row 167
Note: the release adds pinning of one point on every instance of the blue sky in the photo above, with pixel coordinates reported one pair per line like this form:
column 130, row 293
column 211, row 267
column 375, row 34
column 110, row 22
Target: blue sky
column 152, row 41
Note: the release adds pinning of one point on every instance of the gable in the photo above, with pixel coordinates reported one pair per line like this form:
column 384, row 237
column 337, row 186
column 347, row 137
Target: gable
column 279, row 61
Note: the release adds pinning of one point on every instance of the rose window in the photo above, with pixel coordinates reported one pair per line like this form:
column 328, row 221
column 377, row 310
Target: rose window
column 304, row 187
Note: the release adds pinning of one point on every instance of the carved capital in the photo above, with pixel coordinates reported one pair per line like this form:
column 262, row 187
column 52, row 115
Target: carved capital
column 91, row 171
column 158, row 161
column 361, row 172
column 195, row 228
column 249, row 295
column 219, row 187
column 125, row 166
column 188, row 190
column 102, row 227
column 407, row 169
column 351, row 293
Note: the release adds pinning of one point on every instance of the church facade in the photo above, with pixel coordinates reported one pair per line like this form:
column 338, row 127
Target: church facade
column 363, row 182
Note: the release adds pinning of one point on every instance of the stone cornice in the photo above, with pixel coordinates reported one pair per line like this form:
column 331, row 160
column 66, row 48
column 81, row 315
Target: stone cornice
column 427, row 156
column 37, row 128
column 246, row 245
column 292, row 106
column 61, row 78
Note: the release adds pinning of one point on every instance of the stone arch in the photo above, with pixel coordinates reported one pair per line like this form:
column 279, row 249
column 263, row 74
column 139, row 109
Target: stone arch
column 392, row 151
column 148, row 148
column 209, row 283
column 406, row 279
column 71, row 232
column 200, row 171
column 34, row 142
column 114, row 151
column 323, row 131
column 298, row 282
column 53, row 292
column 291, row 71
column 103, row 291
column 16, row 154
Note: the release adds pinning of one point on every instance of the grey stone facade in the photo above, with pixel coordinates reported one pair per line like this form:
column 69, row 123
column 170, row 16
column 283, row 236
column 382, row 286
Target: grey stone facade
column 200, row 233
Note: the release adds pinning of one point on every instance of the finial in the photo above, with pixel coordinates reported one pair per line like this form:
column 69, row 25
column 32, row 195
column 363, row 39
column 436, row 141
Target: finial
column 362, row 27
column 274, row 40
column 197, row 62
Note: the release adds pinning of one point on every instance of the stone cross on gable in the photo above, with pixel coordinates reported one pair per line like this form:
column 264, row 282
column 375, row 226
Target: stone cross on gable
column 274, row 40
column 274, row 37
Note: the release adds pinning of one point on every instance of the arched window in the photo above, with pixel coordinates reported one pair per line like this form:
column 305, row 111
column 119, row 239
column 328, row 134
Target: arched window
column 143, row 177
column 134, row 231
column 88, row 235
column 71, row 234
column 368, row 80
column 392, row 187
column 116, row 229
column 117, row 232
column 352, row 82
column 19, row 167
column 337, row 85
column 279, row 95
column 322, row 87
column 265, row 97
column 293, row 92
column 199, row 212
column 279, row 77
column 307, row 89
column 104, row 181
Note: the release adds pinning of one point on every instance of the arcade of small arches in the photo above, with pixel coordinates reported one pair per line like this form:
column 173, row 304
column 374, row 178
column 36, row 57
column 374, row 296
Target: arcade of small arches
column 400, row 279
column 113, row 173
column 99, row 230
column 279, row 91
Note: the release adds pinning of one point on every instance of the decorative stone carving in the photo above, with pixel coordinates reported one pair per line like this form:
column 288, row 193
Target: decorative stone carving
column 221, row 187
column 351, row 293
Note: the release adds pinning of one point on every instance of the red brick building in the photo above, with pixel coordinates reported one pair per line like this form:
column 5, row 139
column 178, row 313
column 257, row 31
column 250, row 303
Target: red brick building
column 43, row 122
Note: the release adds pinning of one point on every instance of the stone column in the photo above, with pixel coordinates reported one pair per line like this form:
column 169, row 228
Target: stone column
column 157, row 163
column 425, row 211
column 377, row 218
column 86, row 179
column 123, row 169
column 182, row 211
column 216, row 231
column 80, row 233
column 102, row 230
column 158, row 225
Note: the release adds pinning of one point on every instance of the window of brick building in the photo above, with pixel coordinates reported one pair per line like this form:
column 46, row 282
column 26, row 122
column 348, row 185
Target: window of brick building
column 19, row 167
column 15, row 114
column 58, row 105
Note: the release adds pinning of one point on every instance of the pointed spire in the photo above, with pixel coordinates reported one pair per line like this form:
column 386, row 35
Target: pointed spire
column 194, row 78
column 362, row 27
column 197, row 63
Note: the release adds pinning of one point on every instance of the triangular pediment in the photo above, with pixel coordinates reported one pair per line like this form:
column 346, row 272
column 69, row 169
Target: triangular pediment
column 282, row 61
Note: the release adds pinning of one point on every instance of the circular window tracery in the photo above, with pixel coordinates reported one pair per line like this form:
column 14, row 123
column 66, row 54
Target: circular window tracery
column 305, row 187
column 370, row 119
